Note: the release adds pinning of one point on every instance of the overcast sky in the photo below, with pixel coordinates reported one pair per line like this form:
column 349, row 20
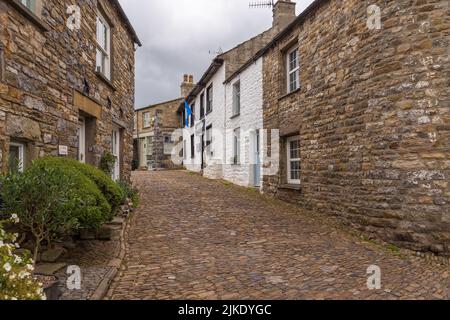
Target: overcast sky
column 183, row 36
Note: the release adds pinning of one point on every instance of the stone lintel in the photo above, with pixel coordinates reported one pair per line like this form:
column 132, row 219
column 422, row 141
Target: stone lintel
column 87, row 105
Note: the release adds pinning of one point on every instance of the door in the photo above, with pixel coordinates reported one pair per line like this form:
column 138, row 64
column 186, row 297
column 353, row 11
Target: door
column 81, row 133
column 203, row 151
column 257, row 162
column 143, row 152
column 116, row 153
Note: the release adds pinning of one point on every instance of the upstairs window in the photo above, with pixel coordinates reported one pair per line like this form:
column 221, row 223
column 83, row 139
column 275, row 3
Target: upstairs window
column 237, row 98
column 209, row 99
column 146, row 120
column 30, row 4
column 293, row 70
column 202, row 106
column 103, row 61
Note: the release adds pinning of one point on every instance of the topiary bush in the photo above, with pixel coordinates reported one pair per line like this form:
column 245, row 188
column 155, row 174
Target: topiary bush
column 52, row 199
column 16, row 281
column 110, row 189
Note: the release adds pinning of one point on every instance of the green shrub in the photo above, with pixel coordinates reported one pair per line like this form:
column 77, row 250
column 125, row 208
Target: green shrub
column 52, row 199
column 129, row 193
column 16, row 281
column 107, row 163
column 112, row 192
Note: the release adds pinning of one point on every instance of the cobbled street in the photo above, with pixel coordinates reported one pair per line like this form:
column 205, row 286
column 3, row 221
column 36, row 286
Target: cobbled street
column 194, row 238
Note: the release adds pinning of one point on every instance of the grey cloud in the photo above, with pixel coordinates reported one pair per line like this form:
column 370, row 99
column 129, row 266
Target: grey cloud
column 177, row 36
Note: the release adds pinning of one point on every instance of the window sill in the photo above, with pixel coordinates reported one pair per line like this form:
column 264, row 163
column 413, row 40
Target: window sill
column 235, row 116
column 289, row 94
column 296, row 187
column 105, row 80
column 30, row 15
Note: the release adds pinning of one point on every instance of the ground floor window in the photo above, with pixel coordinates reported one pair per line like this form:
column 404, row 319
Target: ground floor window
column 16, row 161
column 293, row 160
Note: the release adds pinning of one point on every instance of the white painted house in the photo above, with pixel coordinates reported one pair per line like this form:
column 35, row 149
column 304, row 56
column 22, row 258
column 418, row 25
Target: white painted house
column 244, row 126
column 225, row 134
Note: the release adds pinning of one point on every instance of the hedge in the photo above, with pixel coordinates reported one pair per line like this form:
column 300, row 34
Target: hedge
column 110, row 189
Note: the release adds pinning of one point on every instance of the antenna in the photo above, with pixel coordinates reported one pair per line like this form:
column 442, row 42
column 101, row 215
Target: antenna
column 262, row 4
column 214, row 52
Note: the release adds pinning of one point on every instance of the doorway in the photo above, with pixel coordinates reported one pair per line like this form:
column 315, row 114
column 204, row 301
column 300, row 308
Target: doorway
column 257, row 160
column 81, row 134
column 115, row 150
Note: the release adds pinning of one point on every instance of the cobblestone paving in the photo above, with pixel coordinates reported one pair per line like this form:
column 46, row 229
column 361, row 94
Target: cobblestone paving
column 92, row 257
column 193, row 238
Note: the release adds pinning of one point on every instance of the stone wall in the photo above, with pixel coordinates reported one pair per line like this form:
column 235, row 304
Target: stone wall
column 164, row 120
column 47, row 65
column 373, row 113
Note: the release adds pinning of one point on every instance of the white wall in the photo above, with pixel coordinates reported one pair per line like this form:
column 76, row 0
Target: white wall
column 250, row 119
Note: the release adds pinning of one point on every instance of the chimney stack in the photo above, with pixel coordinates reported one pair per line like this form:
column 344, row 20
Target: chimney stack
column 283, row 14
column 187, row 85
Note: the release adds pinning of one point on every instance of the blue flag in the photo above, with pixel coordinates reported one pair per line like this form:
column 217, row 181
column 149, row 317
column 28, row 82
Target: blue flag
column 188, row 112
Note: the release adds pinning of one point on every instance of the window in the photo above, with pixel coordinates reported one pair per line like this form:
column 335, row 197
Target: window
column 184, row 150
column 193, row 115
column 16, row 157
column 209, row 99
column 293, row 160
column 237, row 146
column 293, row 70
column 30, row 4
column 208, row 135
column 146, row 120
column 103, row 61
column 202, row 106
column 237, row 98
column 168, row 145
column 193, row 146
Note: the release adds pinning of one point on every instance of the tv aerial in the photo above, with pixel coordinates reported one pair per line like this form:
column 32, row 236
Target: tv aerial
column 262, row 4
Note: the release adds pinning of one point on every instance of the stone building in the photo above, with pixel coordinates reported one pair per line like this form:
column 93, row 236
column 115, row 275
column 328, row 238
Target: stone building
column 217, row 136
column 360, row 93
column 66, row 82
column 154, row 128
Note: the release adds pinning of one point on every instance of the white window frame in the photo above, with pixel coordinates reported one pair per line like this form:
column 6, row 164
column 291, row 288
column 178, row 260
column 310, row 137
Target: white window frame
column 289, row 160
column 105, row 67
column 146, row 120
column 209, row 99
column 30, row 4
column 81, row 140
column 295, row 70
column 236, row 98
column 21, row 159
